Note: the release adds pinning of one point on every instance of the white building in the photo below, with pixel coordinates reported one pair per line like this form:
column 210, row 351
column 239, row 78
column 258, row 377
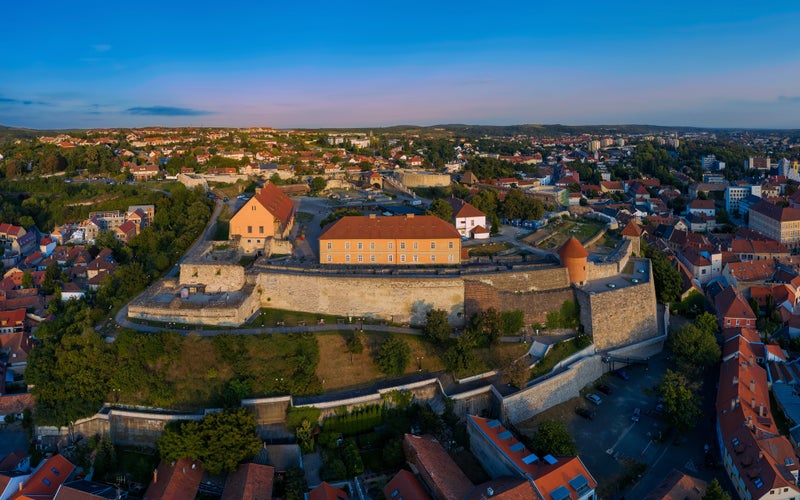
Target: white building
column 734, row 194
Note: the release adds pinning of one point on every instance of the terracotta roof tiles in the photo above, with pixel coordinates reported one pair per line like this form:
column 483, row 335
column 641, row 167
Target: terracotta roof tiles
column 394, row 227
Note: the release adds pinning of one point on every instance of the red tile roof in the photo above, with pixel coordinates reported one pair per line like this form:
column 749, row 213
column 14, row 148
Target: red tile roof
column 14, row 318
column 326, row 492
column 276, row 202
column 252, row 481
column 463, row 209
column 731, row 304
column 632, row 229
column 572, row 249
column 44, row 483
column 547, row 476
column 394, row 227
column 436, row 468
column 678, row 485
column 175, row 481
column 407, row 486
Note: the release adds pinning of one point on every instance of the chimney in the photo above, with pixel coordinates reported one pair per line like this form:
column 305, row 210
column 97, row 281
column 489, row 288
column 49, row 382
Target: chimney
column 753, row 403
column 155, row 476
column 752, row 385
column 762, row 410
column 184, row 470
column 489, row 492
column 194, row 466
column 733, row 403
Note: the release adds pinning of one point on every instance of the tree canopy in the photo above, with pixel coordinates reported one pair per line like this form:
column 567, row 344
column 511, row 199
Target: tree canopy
column 667, row 279
column 220, row 440
column 680, row 400
column 394, row 356
column 437, row 327
column 553, row 438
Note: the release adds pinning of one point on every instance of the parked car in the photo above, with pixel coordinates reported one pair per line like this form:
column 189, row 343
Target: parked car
column 636, row 414
column 583, row 412
column 621, row 374
column 594, row 398
column 604, row 389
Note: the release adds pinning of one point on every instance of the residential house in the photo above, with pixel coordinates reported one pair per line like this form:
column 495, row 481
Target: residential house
column 703, row 265
column 760, row 462
column 12, row 321
column 253, row 481
column 400, row 240
column 436, row 469
column 14, row 351
column 747, row 250
column 467, row 218
column 501, row 455
column 71, row 290
column 733, row 310
column 179, row 480
column 702, row 207
column 405, row 485
column 678, row 485
column 45, row 482
column 327, row 492
column 126, row 231
column 268, row 214
column 144, row 172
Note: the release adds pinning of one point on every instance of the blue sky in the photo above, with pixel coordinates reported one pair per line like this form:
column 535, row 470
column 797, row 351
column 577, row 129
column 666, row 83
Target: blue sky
column 347, row 64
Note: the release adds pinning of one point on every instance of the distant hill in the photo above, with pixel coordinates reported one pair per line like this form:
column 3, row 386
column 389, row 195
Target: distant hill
column 11, row 133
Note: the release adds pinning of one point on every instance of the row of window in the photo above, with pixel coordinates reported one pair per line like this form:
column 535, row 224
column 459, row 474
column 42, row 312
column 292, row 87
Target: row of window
column 250, row 229
column 414, row 258
column 360, row 245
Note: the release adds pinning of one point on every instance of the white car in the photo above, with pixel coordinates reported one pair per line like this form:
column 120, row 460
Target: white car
column 594, row 398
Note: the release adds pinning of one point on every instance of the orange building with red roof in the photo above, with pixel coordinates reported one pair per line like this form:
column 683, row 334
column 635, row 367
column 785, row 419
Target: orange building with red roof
column 574, row 257
column 397, row 240
column 179, row 480
column 326, row 492
column 44, row 483
column 501, row 454
column 249, row 481
column 268, row 214
column 758, row 459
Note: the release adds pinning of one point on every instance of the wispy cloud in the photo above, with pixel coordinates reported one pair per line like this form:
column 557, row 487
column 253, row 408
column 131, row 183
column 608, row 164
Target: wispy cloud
column 167, row 111
column 23, row 102
column 101, row 47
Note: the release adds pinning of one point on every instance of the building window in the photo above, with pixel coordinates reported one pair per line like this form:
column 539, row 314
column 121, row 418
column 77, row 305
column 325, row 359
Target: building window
column 372, row 258
column 433, row 245
column 253, row 207
column 450, row 245
column 433, row 258
column 330, row 259
column 347, row 245
column 330, row 245
column 391, row 245
column 450, row 257
column 261, row 229
column 402, row 245
column 372, row 245
column 360, row 258
column 415, row 245
column 416, row 258
column 347, row 258
column 391, row 258
column 360, row 245
column 403, row 258
column 249, row 229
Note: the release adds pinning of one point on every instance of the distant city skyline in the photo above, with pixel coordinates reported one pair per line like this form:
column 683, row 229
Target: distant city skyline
column 359, row 64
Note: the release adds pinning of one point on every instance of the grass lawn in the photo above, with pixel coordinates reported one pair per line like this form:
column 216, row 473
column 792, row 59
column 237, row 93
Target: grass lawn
column 271, row 317
column 583, row 229
column 488, row 249
column 338, row 371
column 497, row 357
column 553, row 356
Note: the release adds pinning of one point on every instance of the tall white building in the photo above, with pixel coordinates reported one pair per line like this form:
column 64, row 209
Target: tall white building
column 734, row 194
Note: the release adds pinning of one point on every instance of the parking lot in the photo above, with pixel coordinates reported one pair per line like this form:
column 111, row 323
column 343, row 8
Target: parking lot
column 611, row 442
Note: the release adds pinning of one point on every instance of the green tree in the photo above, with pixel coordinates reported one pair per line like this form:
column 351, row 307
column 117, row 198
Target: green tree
column 715, row 491
column 512, row 321
column 27, row 279
column 668, row 280
column 437, row 327
column 294, row 484
column 394, row 356
column 518, row 372
column 221, row 440
column 707, row 322
column 680, row 400
column 355, row 344
column 305, row 436
column 441, row 209
column 553, row 438
column 694, row 347
column 486, row 201
column 494, row 230
column 318, row 184
column 460, row 357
